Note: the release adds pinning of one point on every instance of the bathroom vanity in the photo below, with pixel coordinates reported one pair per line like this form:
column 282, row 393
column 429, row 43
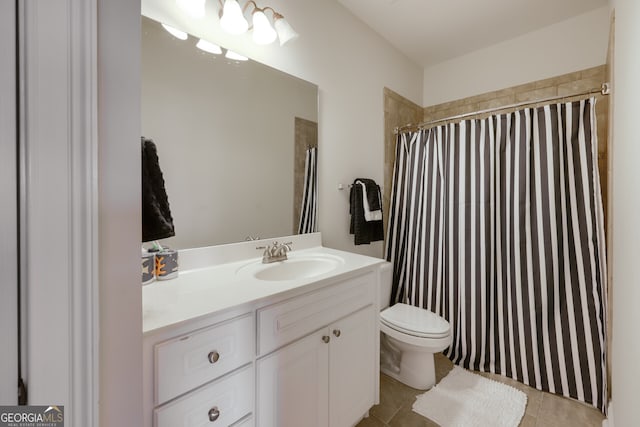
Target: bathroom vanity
column 233, row 341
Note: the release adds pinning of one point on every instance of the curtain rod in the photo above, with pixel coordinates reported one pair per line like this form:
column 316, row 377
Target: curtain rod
column 603, row 90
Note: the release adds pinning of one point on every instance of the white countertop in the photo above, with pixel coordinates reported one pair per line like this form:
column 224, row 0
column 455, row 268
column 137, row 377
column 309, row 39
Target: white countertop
column 203, row 291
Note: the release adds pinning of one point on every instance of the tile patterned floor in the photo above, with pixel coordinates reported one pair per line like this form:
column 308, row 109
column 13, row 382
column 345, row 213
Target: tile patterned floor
column 543, row 409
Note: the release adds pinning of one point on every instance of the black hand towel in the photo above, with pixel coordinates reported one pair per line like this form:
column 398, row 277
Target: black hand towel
column 157, row 222
column 364, row 231
column 373, row 193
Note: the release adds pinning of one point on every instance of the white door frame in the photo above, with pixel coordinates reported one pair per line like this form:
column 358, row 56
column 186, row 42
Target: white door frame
column 80, row 207
column 8, row 207
column 58, row 145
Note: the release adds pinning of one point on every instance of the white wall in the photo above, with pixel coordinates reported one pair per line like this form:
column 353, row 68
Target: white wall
column 572, row 45
column 119, row 225
column 626, row 209
column 225, row 136
column 351, row 65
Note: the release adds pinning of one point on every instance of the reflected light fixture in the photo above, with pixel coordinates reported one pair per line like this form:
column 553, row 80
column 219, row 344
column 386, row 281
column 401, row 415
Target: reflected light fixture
column 233, row 20
column 175, row 32
column 235, row 56
column 263, row 32
column 194, row 8
column 208, row 47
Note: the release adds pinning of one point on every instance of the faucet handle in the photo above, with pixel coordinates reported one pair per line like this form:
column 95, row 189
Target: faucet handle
column 273, row 248
column 282, row 249
column 266, row 250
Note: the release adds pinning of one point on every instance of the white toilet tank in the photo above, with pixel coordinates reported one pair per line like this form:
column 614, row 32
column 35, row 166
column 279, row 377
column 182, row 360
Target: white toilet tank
column 386, row 283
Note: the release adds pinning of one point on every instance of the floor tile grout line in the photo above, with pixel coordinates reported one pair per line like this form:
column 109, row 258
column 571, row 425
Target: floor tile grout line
column 394, row 414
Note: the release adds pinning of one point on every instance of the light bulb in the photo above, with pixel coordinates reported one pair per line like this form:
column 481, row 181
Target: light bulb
column 235, row 56
column 175, row 32
column 195, row 8
column 263, row 32
column 209, row 47
column 233, row 20
column 284, row 30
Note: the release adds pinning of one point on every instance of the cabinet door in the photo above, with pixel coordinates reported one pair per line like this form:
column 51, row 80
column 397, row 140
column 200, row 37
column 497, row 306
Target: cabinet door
column 293, row 384
column 352, row 367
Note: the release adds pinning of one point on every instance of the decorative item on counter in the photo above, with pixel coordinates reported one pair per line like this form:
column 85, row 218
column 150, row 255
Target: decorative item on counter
column 166, row 264
column 148, row 267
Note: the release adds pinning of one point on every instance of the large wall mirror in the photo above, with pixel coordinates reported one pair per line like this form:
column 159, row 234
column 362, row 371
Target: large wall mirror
column 231, row 138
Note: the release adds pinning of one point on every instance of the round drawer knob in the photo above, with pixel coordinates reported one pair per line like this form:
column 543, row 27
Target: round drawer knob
column 213, row 357
column 214, row 413
column 326, row 338
column 336, row 332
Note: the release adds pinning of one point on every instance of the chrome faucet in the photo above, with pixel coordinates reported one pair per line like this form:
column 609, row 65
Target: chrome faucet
column 275, row 252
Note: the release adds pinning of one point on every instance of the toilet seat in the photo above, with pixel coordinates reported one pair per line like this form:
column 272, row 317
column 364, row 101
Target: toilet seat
column 415, row 321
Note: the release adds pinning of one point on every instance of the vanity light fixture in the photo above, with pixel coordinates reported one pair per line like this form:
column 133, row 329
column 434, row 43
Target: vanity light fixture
column 263, row 32
column 175, row 32
column 233, row 21
column 283, row 28
column 194, row 8
column 209, row 47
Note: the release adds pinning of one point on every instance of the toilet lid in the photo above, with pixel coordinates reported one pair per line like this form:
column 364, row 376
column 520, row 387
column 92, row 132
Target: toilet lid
column 415, row 321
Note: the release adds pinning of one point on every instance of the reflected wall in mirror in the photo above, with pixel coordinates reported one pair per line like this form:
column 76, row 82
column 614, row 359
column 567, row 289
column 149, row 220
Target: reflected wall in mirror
column 226, row 137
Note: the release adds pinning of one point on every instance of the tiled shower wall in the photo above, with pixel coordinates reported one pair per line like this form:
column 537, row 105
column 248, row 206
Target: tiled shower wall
column 609, row 205
column 306, row 136
column 564, row 85
column 400, row 111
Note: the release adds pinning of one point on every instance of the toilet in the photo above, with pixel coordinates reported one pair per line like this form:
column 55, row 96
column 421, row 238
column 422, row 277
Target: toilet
column 409, row 338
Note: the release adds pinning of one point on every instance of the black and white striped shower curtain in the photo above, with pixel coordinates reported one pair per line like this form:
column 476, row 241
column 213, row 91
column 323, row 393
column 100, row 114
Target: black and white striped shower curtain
column 309, row 208
column 496, row 224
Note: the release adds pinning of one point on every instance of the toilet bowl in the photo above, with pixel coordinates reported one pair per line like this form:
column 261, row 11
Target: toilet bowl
column 409, row 338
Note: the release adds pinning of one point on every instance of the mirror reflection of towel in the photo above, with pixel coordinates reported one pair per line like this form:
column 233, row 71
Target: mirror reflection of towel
column 364, row 231
column 157, row 222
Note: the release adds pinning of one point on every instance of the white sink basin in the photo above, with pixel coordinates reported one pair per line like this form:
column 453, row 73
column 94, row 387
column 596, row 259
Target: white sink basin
column 296, row 267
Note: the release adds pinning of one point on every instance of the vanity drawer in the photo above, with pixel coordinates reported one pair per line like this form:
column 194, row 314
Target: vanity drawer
column 218, row 404
column 284, row 322
column 191, row 360
column 245, row 422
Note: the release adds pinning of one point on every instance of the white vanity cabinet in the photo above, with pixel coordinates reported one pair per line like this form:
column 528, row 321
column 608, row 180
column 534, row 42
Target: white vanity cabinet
column 222, row 349
column 352, row 382
column 326, row 377
column 293, row 384
column 205, row 377
column 191, row 360
column 220, row 403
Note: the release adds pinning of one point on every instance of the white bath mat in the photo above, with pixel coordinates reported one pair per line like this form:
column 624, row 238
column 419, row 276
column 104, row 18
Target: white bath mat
column 463, row 399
